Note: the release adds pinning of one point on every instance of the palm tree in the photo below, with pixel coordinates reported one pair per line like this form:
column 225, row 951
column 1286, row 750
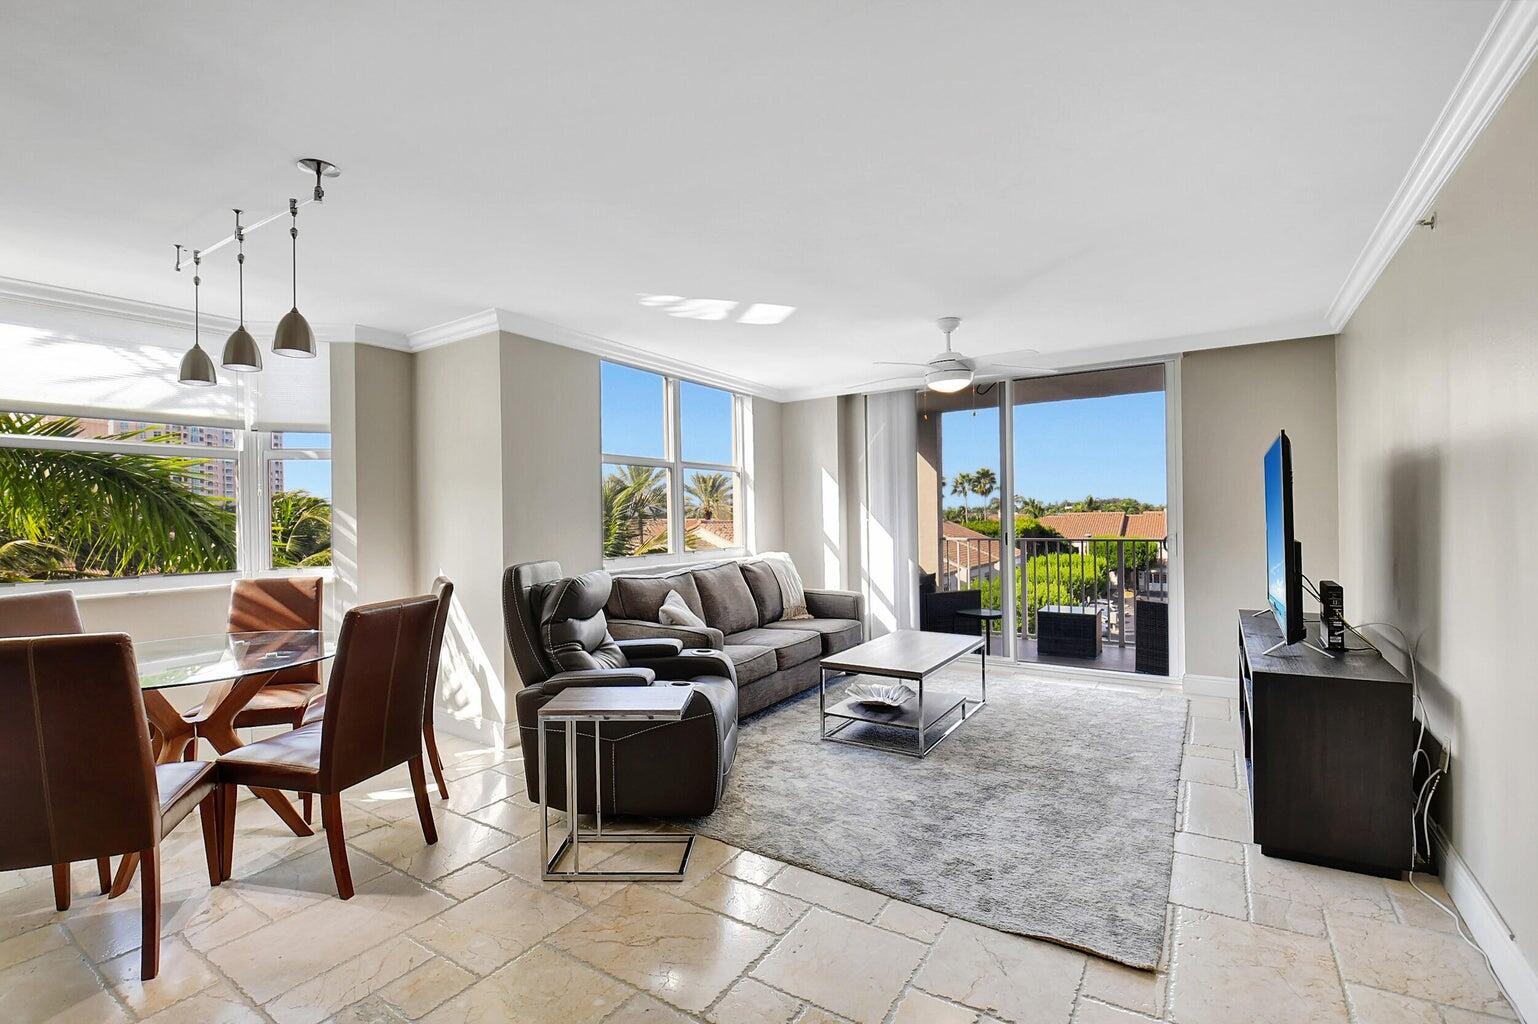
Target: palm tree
column 301, row 530
column 1032, row 507
column 711, row 494
column 983, row 482
column 632, row 495
column 961, row 484
column 67, row 513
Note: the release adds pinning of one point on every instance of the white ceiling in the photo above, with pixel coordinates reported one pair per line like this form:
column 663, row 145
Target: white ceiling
column 1084, row 179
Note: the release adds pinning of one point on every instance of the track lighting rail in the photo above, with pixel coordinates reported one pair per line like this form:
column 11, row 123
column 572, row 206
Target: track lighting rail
column 312, row 165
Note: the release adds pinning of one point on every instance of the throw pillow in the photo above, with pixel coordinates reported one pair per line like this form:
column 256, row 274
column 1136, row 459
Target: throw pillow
column 791, row 587
column 675, row 611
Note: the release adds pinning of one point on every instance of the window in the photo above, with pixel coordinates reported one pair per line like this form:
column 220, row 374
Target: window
column 84, row 498
column 298, row 478
column 672, row 464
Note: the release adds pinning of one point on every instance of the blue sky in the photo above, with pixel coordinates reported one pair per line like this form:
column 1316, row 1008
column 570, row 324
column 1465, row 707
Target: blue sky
column 1109, row 447
column 633, row 417
column 307, row 474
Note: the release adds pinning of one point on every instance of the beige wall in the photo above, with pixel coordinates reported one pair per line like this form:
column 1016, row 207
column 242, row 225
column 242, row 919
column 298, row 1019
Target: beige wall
column 458, row 455
column 157, row 614
column 1233, row 401
column 1438, row 407
column 763, row 478
column 812, row 491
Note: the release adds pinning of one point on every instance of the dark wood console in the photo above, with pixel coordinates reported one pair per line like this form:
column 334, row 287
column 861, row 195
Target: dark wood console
column 1327, row 741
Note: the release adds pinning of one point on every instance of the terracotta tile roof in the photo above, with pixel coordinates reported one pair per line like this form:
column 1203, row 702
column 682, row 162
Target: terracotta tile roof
column 1147, row 525
column 1077, row 525
column 957, row 530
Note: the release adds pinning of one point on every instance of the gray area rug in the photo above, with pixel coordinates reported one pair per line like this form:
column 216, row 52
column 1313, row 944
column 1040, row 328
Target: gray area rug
column 1050, row 814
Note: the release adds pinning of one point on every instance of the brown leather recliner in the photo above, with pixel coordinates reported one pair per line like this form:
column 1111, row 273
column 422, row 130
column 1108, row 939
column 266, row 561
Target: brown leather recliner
column 373, row 722
column 77, row 781
column 559, row 638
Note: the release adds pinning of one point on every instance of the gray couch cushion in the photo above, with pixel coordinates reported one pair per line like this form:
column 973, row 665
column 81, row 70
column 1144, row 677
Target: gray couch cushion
column 791, row 646
column 639, row 597
column 766, row 591
column 837, row 634
column 728, row 602
column 751, row 662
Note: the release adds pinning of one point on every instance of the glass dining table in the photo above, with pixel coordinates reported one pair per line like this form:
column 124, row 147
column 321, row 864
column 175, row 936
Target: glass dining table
column 234, row 666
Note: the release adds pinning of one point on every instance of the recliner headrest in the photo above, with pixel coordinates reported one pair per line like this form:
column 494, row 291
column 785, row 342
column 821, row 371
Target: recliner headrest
column 576, row 597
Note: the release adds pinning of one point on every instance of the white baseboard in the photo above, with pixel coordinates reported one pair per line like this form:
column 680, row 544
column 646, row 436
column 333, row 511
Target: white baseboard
column 1489, row 930
column 1210, row 686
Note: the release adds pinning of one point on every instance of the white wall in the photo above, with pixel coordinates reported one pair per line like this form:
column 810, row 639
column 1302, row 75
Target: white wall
column 458, row 456
column 1233, row 402
column 812, row 489
column 1438, row 406
column 763, row 476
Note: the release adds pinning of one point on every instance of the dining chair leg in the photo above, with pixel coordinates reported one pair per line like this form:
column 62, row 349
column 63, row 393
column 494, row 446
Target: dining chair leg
column 307, row 801
column 431, row 740
column 61, row 886
column 211, row 811
column 424, row 806
column 331, row 820
column 227, row 801
column 104, row 874
column 149, row 954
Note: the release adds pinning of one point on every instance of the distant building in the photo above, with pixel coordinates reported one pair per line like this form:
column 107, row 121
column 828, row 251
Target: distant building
column 216, row 478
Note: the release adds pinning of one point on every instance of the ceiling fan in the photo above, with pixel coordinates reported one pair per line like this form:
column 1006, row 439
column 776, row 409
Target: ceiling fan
column 950, row 371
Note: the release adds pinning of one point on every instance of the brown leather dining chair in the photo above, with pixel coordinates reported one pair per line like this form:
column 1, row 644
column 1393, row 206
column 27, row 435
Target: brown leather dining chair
column 443, row 590
column 267, row 603
column 77, row 780
column 50, row 613
column 373, row 722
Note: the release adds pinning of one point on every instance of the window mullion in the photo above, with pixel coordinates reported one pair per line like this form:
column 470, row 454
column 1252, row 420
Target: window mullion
column 674, row 446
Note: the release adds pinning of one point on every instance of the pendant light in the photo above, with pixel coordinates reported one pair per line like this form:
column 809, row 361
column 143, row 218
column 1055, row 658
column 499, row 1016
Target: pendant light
column 294, row 337
column 197, row 369
column 241, row 353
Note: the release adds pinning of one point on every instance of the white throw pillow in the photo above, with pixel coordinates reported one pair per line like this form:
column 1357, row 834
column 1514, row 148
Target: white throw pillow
column 792, row 591
column 675, row 611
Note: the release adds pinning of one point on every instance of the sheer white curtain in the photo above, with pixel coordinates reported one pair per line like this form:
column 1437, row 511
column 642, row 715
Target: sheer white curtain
column 889, row 520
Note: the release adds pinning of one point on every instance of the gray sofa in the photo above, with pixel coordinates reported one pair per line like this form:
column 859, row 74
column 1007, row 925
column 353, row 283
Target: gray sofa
column 741, row 605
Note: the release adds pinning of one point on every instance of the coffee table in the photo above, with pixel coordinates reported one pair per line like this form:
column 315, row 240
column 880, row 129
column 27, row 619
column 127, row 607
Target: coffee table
column 909, row 655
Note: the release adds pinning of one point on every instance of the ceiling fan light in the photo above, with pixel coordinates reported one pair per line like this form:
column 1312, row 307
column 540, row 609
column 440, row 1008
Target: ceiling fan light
column 948, row 380
column 241, row 352
column 197, row 369
column 294, row 337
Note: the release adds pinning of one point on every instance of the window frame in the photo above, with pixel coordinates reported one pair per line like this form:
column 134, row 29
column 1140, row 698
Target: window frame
column 261, row 539
column 253, row 527
column 673, row 462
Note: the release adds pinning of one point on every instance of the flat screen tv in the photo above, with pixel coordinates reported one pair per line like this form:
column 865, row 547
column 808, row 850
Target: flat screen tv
column 1284, row 569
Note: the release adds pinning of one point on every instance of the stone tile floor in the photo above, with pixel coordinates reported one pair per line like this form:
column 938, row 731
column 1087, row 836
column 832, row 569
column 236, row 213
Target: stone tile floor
column 465, row 931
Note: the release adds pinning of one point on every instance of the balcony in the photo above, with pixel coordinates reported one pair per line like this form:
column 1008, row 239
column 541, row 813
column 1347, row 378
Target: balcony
column 1080, row 600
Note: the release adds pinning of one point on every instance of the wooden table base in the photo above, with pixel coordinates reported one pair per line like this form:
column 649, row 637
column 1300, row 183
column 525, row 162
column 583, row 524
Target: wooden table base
column 214, row 721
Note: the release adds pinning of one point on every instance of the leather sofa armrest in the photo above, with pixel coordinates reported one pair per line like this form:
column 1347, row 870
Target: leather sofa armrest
column 650, row 647
column 690, row 664
column 599, row 677
column 835, row 604
column 691, row 636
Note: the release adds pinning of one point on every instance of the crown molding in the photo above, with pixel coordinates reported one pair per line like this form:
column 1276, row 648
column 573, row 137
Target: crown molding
column 1502, row 55
column 488, row 321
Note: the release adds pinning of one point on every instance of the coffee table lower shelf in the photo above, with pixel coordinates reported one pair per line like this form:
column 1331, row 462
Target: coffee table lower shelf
column 937, row 706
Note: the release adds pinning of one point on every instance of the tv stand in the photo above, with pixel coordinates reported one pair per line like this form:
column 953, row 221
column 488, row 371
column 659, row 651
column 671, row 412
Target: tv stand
column 1327, row 747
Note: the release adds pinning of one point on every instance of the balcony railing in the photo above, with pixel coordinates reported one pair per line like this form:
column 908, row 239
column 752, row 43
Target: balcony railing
column 1108, row 575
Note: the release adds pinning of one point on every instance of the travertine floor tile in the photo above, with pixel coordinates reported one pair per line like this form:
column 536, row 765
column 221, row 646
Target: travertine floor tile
column 829, row 892
column 348, row 982
column 515, row 817
column 1211, row 770
column 30, row 944
column 470, row 879
column 460, row 842
column 1288, row 915
column 1226, row 971
column 643, row 1009
column 1415, row 909
column 182, row 973
column 851, row 968
column 489, row 929
column 1211, row 732
column 57, row 987
column 915, row 922
column 762, row 908
column 425, row 987
column 753, row 1002
column 1122, row 986
column 217, row 1005
column 540, row 987
column 480, row 790
column 1089, row 1011
column 1373, row 1006
column 1309, row 884
column 751, row 867
column 1198, row 845
column 522, row 860
column 1414, row 962
column 1009, row 977
column 680, row 953
column 921, row 1008
column 1208, row 885
column 1210, row 707
column 1217, row 811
